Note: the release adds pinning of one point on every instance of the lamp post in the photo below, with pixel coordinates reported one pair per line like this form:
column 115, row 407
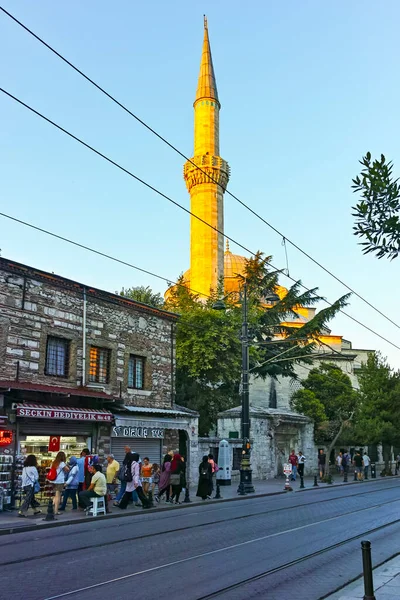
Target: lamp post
column 246, row 485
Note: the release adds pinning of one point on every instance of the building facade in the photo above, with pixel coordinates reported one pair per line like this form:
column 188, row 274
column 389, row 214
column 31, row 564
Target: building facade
column 85, row 368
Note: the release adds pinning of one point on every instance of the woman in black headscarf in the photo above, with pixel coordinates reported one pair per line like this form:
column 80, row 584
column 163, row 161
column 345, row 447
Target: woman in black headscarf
column 204, row 487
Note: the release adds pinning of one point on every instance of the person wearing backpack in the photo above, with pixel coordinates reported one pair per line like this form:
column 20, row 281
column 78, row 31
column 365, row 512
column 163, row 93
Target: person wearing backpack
column 205, row 479
column 71, row 485
column 134, row 485
column 345, row 462
column 56, row 476
column 125, row 475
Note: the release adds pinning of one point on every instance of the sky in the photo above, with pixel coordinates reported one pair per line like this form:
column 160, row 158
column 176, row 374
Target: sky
column 306, row 88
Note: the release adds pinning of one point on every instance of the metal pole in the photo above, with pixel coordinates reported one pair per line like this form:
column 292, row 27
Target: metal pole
column 367, row 570
column 246, row 485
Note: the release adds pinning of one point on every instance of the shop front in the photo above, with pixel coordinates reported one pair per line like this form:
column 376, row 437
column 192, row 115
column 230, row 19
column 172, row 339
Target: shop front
column 45, row 430
column 155, row 434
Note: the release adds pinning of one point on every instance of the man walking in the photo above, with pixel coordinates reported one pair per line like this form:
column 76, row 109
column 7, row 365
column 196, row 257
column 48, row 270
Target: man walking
column 301, row 459
column 321, row 463
column 367, row 462
column 358, row 465
column 111, row 473
column 293, row 462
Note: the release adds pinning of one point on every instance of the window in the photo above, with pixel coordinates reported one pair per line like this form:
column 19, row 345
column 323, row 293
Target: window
column 57, row 357
column 237, row 459
column 136, row 372
column 99, row 365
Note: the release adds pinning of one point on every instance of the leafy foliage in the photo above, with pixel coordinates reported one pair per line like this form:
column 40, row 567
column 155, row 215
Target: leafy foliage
column 328, row 398
column 208, row 344
column 378, row 212
column 143, row 294
column 379, row 393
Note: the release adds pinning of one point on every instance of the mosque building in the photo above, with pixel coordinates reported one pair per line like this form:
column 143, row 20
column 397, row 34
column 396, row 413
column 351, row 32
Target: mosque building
column 275, row 428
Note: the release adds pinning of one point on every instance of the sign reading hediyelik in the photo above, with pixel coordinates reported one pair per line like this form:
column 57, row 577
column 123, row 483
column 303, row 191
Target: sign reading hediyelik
column 138, row 432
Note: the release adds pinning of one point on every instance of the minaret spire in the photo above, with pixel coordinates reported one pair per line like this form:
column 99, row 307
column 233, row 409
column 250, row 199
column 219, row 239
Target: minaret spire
column 206, row 176
column 207, row 85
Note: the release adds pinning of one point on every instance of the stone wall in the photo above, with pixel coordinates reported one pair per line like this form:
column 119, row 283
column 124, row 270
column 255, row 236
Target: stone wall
column 35, row 305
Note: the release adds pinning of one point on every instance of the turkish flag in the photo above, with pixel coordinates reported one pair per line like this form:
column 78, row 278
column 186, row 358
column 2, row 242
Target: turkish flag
column 54, row 443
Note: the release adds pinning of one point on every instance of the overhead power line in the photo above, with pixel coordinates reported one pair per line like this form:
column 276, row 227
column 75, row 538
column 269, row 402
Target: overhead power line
column 175, row 149
column 183, row 208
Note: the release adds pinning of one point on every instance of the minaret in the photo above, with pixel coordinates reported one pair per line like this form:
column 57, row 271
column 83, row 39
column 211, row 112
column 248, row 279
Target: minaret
column 206, row 186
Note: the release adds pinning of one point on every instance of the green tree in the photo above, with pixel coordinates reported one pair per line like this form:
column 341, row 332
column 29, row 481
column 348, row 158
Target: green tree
column 379, row 420
column 208, row 345
column 143, row 294
column 378, row 212
column 328, row 398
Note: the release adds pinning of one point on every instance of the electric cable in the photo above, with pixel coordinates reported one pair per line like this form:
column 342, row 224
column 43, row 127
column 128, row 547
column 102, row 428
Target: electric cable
column 175, row 149
column 114, row 163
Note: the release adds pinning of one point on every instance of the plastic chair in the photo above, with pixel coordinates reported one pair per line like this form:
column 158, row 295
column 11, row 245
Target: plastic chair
column 98, row 508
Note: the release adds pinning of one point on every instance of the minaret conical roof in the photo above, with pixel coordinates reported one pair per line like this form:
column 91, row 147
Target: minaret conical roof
column 206, row 85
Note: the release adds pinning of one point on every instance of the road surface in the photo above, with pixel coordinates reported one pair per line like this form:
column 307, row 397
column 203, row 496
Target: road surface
column 299, row 545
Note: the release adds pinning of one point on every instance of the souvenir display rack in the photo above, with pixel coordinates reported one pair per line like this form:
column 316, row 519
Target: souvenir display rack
column 6, row 471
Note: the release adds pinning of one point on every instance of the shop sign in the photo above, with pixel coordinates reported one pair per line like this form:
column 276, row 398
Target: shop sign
column 6, row 437
column 64, row 413
column 138, row 432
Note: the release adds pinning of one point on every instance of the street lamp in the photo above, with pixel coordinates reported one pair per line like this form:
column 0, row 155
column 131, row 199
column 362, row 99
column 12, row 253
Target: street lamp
column 246, row 485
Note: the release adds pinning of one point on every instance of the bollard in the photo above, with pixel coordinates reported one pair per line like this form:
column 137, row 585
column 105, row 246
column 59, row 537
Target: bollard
column 150, row 497
column 218, row 493
column 345, row 476
column 302, row 486
column 287, row 487
column 355, row 476
column 315, row 481
column 50, row 511
column 367, row 571
column 187, row 498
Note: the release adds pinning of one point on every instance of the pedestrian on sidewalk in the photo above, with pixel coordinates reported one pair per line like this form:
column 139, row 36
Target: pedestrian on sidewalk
column 155, row 478
column 367, row 462
column 59, row 464
column 345, row 462
column 81, row 466
column 177, row 470
column 134, row 484
column 321, row 463
column 97, row 488
column 71, row 485
column 124, row 475
column 358, row 465
column 301, row 459
column 164, row 485
column 146, row 474
column 205, row 474
column 112, row 471
column 30, row 480
column 339, row 462
column 293, row 461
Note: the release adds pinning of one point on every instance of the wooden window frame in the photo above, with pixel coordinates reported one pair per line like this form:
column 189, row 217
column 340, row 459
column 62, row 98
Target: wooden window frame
column 132, row 372
column 51, row 362
column 95, row 366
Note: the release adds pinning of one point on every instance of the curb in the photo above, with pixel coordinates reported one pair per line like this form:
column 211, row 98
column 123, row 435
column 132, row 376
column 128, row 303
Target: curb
column 50, row 525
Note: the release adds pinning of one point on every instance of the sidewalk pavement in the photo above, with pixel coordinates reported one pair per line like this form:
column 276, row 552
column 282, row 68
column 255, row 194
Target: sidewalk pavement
column 386, row 584
column 10, row 522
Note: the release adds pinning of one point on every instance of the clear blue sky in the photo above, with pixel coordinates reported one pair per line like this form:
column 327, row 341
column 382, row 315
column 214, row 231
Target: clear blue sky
column 306, row 89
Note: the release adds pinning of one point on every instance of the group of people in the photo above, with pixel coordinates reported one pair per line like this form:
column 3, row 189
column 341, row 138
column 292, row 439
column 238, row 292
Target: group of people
column 360, row 461
column 82, row 479
column 297, row 461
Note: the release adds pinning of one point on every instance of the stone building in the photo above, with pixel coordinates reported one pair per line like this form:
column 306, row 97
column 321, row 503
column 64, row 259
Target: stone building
column 89, row 368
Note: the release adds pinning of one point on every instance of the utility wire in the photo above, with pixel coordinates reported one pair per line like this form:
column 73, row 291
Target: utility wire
column 185, row 209
column 163, row 139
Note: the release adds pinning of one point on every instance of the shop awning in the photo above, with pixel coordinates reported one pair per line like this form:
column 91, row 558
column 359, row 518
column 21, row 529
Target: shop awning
column 83, row 392
column 44, row 411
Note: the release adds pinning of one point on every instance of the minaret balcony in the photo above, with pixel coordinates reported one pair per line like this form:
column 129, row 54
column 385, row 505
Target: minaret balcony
column 206, row 169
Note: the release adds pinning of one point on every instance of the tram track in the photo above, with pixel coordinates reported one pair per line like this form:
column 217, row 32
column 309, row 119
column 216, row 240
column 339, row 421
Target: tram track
column 174, row 530
column 240, row 584
column 161, row 516
column 293, row 563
